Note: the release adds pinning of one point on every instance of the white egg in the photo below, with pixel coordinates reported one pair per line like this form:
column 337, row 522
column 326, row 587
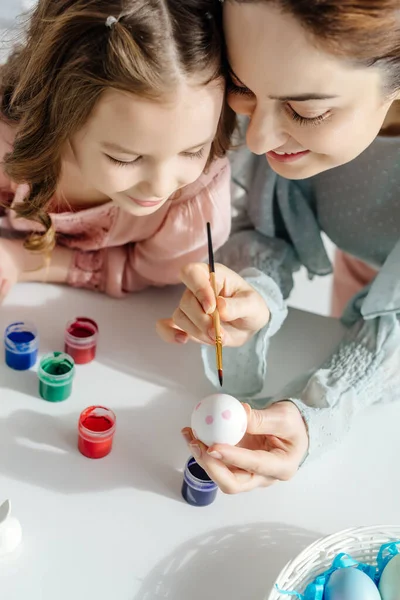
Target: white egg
column 389, row 585
column 219, row 419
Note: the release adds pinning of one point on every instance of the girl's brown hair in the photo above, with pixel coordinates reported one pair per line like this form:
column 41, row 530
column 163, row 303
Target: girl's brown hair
column 50, row 84
column 366, row 32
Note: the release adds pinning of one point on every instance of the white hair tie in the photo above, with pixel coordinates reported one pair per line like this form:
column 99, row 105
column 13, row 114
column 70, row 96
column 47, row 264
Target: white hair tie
column 110, row 21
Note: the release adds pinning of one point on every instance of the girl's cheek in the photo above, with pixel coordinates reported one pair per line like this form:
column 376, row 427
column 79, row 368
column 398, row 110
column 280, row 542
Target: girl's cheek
column 113, row 178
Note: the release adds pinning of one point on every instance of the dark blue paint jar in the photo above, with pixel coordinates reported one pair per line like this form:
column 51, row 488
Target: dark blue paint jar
column 197, row 488
column 21, row 343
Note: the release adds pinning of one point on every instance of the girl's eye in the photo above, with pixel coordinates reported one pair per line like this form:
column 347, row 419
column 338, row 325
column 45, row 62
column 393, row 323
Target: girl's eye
column 192, row 155
column 239, row 90
column 307, row 121
column 123, row 163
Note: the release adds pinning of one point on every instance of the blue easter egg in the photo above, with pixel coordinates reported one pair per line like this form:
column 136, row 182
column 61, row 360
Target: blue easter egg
column 350, row 584
column 389, row 585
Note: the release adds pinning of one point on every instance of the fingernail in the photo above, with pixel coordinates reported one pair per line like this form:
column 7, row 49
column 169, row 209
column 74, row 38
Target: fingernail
column 181, row 338
column 195, row 450
column 215, row 454
column 206, row 305
column 221, row 303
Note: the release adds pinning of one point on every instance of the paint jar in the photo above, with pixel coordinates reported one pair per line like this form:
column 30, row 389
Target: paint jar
column 21, row 344
column 96, row 429
column 56, row 374
column 197, row 488
column 81, row 339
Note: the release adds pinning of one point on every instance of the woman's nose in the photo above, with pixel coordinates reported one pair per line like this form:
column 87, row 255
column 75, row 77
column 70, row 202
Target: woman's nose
column 265, row 132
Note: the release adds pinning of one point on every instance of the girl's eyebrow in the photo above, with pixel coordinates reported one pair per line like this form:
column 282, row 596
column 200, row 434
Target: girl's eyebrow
column 118, row 148
column 290, row 98
column 201, row 144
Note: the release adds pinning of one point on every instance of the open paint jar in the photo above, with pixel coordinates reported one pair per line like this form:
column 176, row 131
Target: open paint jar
column 197, row 488
column 81, row 339
column 56, row 374
column 96, row 429
column 21, row 344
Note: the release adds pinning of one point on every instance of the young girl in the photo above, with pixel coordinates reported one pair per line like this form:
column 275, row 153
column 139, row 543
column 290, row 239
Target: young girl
column 112, row 139
column 320, row 83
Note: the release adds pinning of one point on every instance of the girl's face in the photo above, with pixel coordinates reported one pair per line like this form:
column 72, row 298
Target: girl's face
column 308, row 110
column 138, row 152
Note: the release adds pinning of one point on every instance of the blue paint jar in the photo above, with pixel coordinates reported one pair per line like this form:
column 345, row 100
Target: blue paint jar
column 197, row 488
column 21, row 344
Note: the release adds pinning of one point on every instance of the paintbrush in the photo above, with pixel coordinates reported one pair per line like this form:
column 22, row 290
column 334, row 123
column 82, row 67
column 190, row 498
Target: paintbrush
column 215, row 316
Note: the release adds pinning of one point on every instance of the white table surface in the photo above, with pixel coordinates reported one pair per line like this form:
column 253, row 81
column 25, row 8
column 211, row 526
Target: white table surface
column 117, row 528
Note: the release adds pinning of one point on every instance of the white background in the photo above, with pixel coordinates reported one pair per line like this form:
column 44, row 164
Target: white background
column 117, row 528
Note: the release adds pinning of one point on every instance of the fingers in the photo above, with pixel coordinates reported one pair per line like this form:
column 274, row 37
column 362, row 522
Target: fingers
column 280, row 441
column 196, row 278
column 183, row 322
column 229, row 479
column 191, row 317
column 283, row 423
column 242, row 310
column 269, row 465
column 246, row 310
column 170, row 333
column 281, row 419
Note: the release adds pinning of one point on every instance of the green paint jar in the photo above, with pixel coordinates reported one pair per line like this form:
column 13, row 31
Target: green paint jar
column 56, row 373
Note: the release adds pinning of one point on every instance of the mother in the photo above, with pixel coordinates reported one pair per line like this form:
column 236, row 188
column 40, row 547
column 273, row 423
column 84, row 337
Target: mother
column 319, row 81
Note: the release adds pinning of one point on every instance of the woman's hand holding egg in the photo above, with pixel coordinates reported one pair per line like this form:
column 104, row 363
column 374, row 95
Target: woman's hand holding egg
column 271, row 450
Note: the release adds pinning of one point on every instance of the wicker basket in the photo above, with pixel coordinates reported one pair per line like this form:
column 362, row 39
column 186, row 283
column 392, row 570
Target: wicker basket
column 362, row 543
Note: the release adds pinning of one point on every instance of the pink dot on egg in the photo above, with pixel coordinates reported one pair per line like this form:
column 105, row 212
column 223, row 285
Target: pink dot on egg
column 198, row 406
column 226, row 414
column 209, row 419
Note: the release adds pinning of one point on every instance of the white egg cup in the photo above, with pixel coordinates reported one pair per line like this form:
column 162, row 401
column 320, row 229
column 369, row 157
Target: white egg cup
column 10, row 530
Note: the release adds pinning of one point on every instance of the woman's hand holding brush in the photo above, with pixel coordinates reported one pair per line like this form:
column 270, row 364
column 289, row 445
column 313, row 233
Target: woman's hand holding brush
column 242, row 309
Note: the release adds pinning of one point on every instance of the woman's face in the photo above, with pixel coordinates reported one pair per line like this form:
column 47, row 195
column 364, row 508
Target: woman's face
column 308, row 110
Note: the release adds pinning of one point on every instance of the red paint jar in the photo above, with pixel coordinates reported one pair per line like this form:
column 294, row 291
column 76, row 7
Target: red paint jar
column 96, row 429
column 81, row 340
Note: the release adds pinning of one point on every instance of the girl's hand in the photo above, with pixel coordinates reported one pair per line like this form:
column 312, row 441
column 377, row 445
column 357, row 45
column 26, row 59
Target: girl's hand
column 242, row 310
column 12, row 262
column 272, row 450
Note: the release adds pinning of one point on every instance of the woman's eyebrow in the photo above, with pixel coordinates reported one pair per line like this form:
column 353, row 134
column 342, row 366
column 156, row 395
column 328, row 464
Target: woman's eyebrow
column 290, row 98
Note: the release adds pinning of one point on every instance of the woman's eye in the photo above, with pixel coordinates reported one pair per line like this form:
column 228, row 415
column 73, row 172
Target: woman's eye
column 307, row 120
column 239, row 90
column 123, row 163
